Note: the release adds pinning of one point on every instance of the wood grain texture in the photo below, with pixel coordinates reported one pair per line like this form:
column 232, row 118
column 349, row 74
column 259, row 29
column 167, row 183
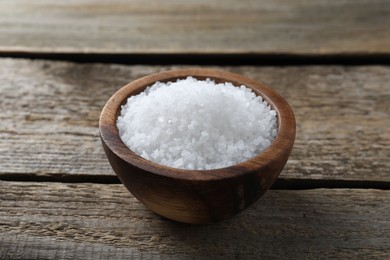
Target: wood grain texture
column 49, row 114
column 262, row 27
column 94, row 221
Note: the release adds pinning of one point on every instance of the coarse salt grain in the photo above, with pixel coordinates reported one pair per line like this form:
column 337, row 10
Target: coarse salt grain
column 197, row 124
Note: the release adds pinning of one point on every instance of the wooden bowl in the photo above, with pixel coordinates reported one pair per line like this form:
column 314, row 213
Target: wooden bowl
column 197, row 196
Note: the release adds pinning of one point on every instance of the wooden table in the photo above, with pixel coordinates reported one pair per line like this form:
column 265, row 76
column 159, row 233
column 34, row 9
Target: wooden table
column 59, row 198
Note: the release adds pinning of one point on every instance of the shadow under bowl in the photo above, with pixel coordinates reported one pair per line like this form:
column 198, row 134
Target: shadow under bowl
column 197, row 196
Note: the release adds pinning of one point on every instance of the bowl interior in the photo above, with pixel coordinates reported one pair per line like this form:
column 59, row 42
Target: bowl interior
column 284, row 138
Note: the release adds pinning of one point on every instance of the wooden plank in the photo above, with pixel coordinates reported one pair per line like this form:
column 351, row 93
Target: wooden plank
column 317, row 27
column 49, row 115
column 67, row 221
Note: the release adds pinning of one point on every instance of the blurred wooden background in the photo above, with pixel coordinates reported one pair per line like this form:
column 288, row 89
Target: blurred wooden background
column 61, row 60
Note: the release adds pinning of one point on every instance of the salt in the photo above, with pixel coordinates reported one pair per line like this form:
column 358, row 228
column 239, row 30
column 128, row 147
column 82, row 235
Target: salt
column 197, row 124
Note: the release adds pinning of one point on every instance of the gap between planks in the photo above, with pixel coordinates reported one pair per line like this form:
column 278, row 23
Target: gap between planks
column 280, row 184
column 204, row 59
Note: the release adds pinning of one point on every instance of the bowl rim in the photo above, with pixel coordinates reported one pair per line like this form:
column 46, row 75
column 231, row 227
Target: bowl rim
column 283, row 141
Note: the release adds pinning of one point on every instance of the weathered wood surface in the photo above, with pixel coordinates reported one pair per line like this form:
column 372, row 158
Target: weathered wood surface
column 262, row 27
column 95, row 221
column 49, row 117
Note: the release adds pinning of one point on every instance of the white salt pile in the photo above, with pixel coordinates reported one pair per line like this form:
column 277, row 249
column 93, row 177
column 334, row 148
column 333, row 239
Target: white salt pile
column 197, row 124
